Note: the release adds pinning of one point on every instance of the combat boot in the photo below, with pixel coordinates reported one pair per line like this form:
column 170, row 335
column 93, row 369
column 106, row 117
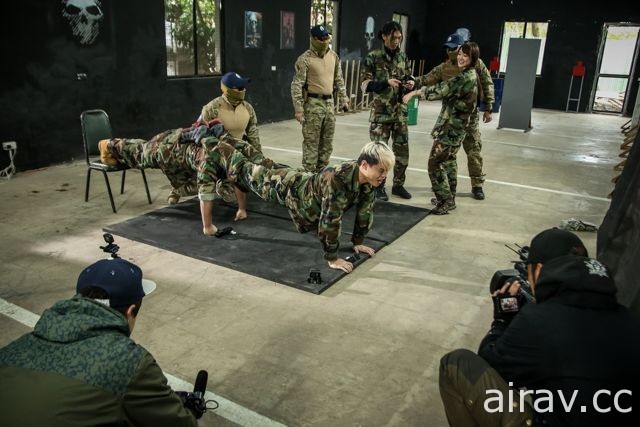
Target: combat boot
column 173, row 198
column 452, row 203
column 478, row 194
column 381, row 194
column 442, row 207
column 105, row 155
column 400, row 191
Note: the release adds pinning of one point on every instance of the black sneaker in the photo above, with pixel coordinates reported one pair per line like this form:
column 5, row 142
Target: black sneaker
column 399, row 190
column 381, row 194
column 478, row 194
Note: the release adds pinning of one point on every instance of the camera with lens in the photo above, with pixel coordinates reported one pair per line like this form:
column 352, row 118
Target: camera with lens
column 110, row 248
column 509, row 304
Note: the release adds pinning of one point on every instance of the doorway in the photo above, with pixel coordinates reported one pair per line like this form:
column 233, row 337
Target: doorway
column 617, row 59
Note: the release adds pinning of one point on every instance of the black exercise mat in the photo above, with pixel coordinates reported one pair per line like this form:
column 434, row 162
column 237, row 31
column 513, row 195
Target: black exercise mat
column 267, row 243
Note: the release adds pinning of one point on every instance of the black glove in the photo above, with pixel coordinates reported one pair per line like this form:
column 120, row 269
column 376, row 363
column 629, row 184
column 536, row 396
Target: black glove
column 377, row 86
column 197, row 406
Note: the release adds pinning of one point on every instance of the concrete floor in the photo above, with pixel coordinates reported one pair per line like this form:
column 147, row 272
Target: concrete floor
column 366, row 351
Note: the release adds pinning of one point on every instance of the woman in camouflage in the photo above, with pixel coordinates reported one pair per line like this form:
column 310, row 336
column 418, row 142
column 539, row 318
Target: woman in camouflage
column 459, row 96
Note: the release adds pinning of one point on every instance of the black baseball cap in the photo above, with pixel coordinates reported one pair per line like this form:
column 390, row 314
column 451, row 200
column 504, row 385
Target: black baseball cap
column 554, row 243
column 119, row 278
column 319, row 31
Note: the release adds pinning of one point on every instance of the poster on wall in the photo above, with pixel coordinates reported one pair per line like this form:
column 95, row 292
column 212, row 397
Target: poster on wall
column 287, row 29
column 84, row 18
column 252, row 29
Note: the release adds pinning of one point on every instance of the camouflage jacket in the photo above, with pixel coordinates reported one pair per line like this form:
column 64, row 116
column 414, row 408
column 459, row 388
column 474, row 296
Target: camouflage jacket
column 449, row 69
column 210, row 112
column 316, row 201
column 320, row 199
column 79, row 367
column 300, row 79
column 387, row 105
column 459, row 97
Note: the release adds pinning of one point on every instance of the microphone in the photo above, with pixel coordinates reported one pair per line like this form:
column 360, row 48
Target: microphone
column 200, row 387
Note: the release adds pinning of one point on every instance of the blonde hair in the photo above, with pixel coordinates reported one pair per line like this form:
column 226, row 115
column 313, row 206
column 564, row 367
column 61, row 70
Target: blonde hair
column 377, row 152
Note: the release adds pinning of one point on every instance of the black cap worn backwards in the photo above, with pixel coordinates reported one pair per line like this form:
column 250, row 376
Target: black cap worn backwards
column 554, row 243
column 119, row 278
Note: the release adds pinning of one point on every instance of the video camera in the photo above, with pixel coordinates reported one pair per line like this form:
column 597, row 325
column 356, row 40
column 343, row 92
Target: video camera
column 508, row 303
column 110, row 248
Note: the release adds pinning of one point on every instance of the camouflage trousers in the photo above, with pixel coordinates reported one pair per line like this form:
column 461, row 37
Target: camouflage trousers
column 472, row 146
column 464, row 379
column 399, row 134
column 177, row 161
column 443, row 171
column 190, row 168
column 317, row 132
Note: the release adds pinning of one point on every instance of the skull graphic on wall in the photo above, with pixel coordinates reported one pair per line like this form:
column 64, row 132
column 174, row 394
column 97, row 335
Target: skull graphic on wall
column 368, row 32
column 84, row 17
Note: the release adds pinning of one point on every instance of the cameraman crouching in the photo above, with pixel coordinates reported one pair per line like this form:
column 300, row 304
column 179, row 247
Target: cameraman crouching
column 79, row 367
column 575, row 350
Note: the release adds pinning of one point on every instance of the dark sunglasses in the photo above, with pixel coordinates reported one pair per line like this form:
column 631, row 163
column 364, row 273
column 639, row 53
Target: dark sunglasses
column 323, row 38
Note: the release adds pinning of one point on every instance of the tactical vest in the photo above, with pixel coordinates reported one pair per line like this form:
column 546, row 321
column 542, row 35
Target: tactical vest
column 320, row 73
column 235, row 120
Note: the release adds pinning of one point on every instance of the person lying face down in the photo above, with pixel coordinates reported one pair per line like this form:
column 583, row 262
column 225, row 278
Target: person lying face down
column 180, row 154
column 316, row 201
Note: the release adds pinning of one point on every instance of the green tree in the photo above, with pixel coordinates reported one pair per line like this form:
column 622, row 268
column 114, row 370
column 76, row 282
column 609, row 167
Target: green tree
column 179, row 13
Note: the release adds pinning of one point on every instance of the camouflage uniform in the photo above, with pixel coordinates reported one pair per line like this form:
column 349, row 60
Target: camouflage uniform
column 459, row 98
column 79, row 367
column 316, row 201
column 184, row 164
column 319, row 114
column 212, row 111
column 472, row 144
column 388, row 115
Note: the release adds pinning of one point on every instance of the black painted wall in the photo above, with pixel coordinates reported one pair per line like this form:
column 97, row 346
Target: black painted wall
column 574, row 34
column 353, row 17
column 41, row 98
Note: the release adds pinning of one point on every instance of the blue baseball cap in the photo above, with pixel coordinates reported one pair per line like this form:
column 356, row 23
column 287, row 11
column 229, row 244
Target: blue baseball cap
column 319, row 31
column 234, row 80
column 119, row 278
column 454, row 40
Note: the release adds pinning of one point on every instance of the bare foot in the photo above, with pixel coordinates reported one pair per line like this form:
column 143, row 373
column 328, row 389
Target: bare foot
column 210, row 230
column 240, row 215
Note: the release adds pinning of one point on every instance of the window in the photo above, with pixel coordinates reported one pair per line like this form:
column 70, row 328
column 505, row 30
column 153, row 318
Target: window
column 527, row 30
column 192, row 37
